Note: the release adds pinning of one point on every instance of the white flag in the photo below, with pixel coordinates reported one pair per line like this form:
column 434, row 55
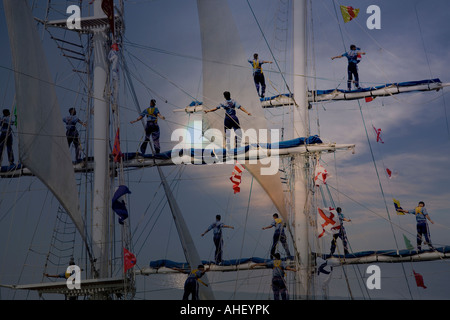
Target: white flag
column 327, row 221
column 320, row 175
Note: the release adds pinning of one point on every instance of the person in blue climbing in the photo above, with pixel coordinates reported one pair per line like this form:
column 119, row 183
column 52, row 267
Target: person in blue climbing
column 279, row 235
column 6, row 136
column 258, row 75
column 72, row 133
column 217, row 227
column 422, row 226
column 278, row 266
column 341, row 234
column 352, row 68
column 152, row 127
column 191, row 283
column 231, row 121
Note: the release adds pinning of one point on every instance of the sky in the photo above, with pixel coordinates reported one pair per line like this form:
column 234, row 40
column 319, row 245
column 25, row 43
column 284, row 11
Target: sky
column 163, row 51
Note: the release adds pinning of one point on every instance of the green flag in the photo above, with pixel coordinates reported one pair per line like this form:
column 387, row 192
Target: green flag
column 408, row 243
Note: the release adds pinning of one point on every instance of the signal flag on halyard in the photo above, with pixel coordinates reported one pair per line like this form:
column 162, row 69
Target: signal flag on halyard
column 118, row 155
column 378, row 133
column 397, row 206
column 236, row 176
column 320, row 174
column 129, row 260
column 419, row 280
column 408, row 244
column 119, row 206
column 348, row 13
column 327, row 221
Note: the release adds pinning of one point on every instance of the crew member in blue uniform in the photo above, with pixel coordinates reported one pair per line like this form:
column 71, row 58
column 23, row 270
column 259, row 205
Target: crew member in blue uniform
column 258, row 75
column 231, row 120
column 279, row 235
column 422, row 226
column 152, row 127
column 72, row 134
column 278, row 276
column 352, row 68
column 217, row 227
column 191, row 283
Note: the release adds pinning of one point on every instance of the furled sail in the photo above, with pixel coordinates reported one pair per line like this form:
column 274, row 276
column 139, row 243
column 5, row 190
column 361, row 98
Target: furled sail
column 42, row 143
column 387, row 89
column 223, row 57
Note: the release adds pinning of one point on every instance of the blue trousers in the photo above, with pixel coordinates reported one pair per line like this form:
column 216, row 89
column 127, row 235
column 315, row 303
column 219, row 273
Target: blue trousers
column 422, row 229
column 151, row 129
column 352, row 69
column 190, row 288
column 259, row 80
column 279, row 288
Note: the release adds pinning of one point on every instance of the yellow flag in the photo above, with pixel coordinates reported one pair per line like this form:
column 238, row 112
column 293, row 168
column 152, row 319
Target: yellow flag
column 397, row 206
column 348, row 13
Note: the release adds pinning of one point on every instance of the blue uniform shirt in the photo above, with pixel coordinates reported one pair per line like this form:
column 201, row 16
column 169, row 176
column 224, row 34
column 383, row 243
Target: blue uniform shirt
column 352, row 56
column 256, row 64
column 71, row 122
column 216, row 227
column 277, row 271
column 5, row 124
column 421, row 215
column 230, row 107
column 278, row 224
column 151, row 116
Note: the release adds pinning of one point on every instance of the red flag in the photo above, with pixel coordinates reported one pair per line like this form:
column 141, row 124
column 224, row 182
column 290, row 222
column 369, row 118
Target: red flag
column 389, row 172
column 419, row 280
column 118, row 155
column 129, row 260
column 236, row 177
column 108, row 9
column 368, row 99
column 378, row 133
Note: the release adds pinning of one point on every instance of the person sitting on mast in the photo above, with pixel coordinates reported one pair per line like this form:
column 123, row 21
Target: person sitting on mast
column 422, row 226
column 278, row 235
column 352, row 68
column 231, row 120
column 258, row 75
column 6, row 136
column 191, row 283
column 72, row 133
column 278, row 281
column 341, row 234
column 217, row 237
column 152, row 127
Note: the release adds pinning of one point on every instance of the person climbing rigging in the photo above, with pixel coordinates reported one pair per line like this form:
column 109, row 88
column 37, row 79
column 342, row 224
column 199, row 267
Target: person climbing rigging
column 152, row 127
column 217, row 227
column 341, row 234
column 191, row 283
column 422, row 226
column 258, row 75
column 352, row 68
column 72, row 133
column 278, row 276
column 6, row 136
column 278, row 235
column 231, row 120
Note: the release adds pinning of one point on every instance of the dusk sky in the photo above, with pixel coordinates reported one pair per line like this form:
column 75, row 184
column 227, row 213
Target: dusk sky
column 163, row 51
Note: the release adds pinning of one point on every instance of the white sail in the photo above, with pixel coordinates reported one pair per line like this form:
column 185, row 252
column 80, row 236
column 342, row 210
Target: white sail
column 223, row 57
column 43, row 145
